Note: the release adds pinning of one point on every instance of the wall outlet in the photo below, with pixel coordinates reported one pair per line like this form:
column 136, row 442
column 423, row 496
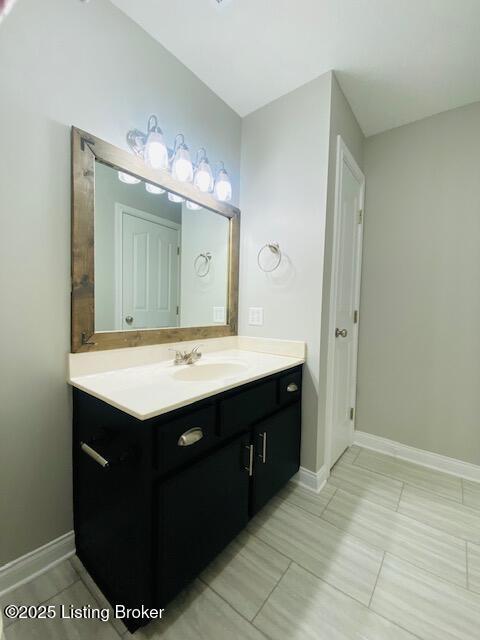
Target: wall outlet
column 219, row 315
column 255, row 316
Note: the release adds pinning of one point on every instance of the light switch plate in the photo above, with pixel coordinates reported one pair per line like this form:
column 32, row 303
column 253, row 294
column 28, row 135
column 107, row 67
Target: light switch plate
column 219, row 315
column 255, row 316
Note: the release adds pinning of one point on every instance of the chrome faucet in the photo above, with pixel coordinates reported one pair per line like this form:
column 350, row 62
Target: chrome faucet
column 186, row 357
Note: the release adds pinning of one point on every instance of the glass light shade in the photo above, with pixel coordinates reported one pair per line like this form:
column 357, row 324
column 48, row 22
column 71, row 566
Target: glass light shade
column 203, row 178
column 127, row 178
column 151, row 188
column 223, row 187
column 155, row 153
column 182, row 168
column 193, row 206
column 174, row 198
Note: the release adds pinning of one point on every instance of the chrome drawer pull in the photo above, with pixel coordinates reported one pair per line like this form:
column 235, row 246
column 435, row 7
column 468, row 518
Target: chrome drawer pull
column 190, row 437
column 263, row 455
column 292, row 387
column 103, row 462
column 250, row 459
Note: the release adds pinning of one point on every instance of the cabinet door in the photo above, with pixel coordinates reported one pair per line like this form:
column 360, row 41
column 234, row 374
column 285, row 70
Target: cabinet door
column 200, row 511
column 277, row 454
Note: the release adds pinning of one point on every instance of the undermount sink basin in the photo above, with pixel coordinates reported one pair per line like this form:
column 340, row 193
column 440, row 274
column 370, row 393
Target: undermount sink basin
column 203, row 372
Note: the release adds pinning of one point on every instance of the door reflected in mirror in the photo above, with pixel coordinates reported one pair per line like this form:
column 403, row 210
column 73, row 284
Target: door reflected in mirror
column 159, row 261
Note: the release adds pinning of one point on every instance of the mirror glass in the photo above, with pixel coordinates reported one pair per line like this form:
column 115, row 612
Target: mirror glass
column 158, row 263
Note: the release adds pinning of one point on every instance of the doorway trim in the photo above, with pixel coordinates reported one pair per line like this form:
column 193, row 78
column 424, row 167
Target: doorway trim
column 344, row 156
column 120, row 209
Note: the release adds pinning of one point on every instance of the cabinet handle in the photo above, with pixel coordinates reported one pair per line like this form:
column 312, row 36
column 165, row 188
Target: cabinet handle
column 103, row 462
column 263, row 455
column 250, row 459
column 292, row 387
column 190, row 437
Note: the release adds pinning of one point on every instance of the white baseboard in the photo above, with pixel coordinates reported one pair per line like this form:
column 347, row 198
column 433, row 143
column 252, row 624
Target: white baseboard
column 419, row 456
column 32, row 564
column 314, row 481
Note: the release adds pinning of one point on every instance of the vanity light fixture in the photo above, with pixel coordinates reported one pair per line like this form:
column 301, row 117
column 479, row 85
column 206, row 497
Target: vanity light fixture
column 152, row 188
column 203, row 176
column 155, row 151
column 193, row 206
column 151, row 147
column 223, row 186
column 182, row 168
column 127, row 178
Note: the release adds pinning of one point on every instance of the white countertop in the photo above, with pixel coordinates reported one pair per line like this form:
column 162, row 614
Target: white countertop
column 149, row 390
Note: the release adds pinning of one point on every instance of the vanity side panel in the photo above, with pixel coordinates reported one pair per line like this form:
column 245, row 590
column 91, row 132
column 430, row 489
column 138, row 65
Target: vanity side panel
column 113, row 505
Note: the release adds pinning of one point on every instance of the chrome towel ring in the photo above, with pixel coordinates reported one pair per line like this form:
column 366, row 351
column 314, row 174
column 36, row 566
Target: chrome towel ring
column 275, row 249
column 202, row 264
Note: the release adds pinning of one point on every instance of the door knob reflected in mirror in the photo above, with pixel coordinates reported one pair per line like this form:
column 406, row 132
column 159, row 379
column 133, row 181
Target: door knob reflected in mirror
column 129, row 319
column 341, row 333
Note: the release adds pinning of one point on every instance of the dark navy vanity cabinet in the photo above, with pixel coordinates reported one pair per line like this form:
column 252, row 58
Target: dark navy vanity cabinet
column 156, row 500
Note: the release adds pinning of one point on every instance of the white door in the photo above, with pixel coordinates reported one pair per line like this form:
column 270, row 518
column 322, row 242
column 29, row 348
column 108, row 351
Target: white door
column 346, row 265
column 149, row 273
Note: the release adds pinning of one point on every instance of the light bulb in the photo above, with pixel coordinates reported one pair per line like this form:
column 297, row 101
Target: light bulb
column 155, row 152
column 182, row 168
column 127, row 178
column 193, row 206
column 151, row 188
column 174, row 198
column 203, row 178
column 6, row 6
column 223, row 187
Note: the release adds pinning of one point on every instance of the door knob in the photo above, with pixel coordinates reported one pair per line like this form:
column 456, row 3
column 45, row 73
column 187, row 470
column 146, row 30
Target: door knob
column 341, row 333
column 129, row 319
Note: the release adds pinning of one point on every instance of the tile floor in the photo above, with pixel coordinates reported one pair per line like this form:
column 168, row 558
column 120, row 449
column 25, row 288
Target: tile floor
column 389, row 550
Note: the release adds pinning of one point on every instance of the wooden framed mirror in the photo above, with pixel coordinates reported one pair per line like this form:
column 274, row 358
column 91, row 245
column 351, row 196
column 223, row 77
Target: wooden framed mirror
column 147, row 267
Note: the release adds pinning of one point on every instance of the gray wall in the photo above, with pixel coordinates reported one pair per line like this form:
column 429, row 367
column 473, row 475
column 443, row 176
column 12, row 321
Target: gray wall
column 203, row 231
column 419, row 357
column 283, row 198
column 343, row 123
column 64, row 63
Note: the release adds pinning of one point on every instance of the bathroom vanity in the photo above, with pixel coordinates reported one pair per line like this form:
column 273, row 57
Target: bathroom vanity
column 155, row 500
column 172, row 454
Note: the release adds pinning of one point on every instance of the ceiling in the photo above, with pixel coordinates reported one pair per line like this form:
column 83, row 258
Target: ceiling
column 396, row 60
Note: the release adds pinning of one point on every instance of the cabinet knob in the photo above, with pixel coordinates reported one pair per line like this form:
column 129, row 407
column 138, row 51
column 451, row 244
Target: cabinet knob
column 190, row 437
column 292, row 387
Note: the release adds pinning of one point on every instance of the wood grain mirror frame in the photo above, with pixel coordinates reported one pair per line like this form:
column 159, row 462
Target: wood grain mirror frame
column 86, row 149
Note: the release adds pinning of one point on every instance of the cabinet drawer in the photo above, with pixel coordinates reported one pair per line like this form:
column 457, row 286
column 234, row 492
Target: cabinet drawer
column 186, row 437
column 290, row 387
column 241, row 410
